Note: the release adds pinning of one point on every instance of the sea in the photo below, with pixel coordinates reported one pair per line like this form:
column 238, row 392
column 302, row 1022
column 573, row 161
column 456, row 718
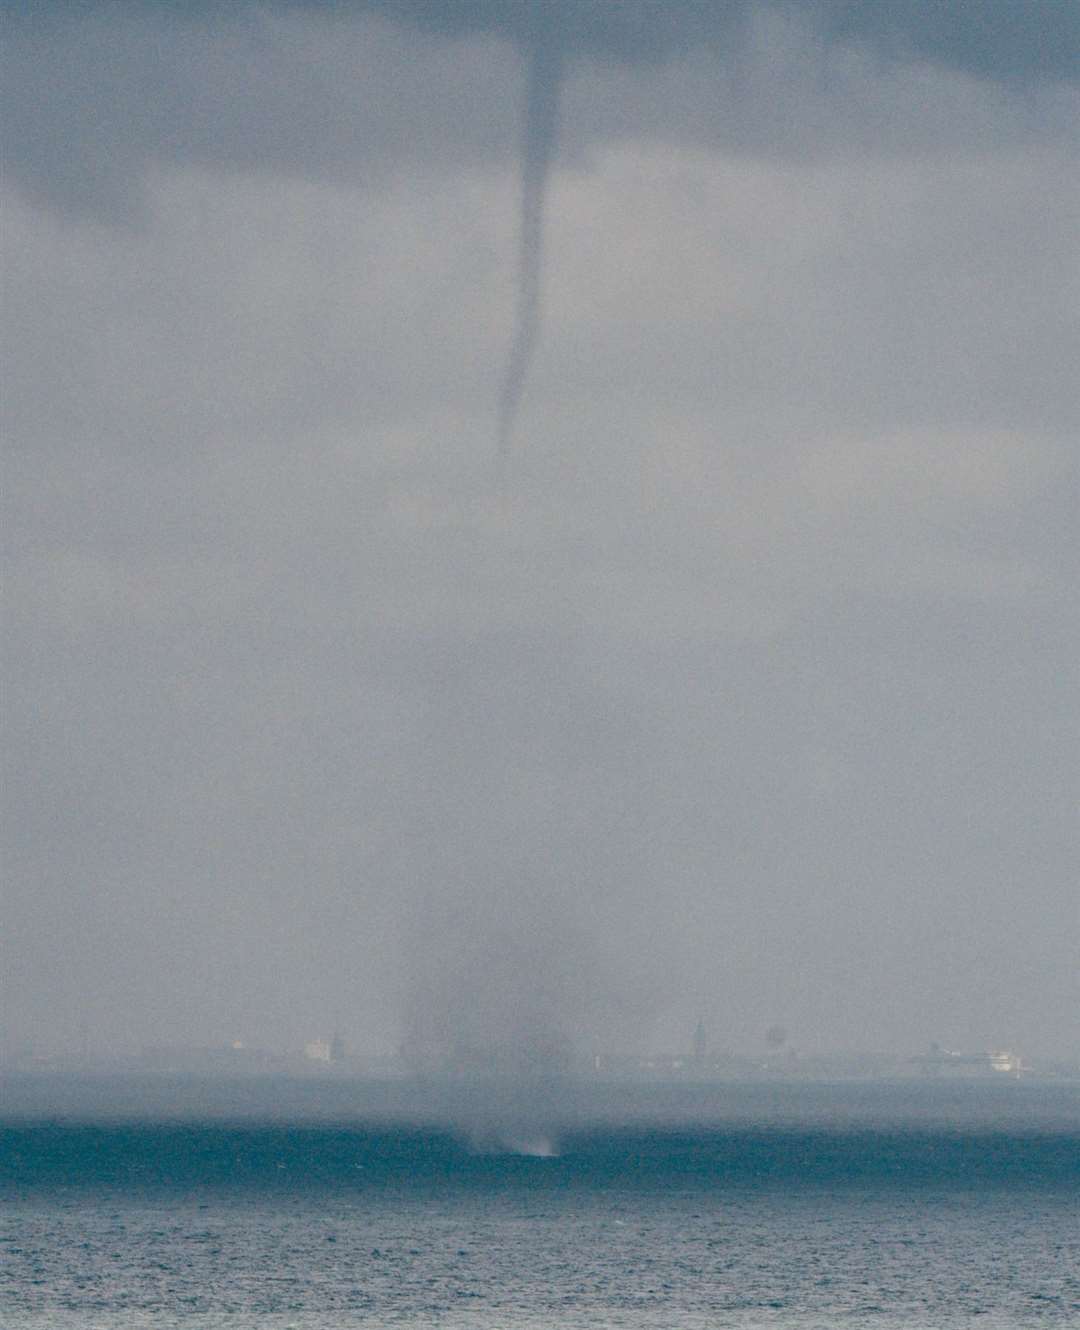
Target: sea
column 320, row 1208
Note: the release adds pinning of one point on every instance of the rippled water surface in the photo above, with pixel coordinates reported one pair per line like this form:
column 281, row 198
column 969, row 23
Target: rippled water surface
column 272, row 1226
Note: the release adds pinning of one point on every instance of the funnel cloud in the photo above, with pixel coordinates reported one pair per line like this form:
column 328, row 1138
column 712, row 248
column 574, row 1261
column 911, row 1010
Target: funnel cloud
column 544, row 63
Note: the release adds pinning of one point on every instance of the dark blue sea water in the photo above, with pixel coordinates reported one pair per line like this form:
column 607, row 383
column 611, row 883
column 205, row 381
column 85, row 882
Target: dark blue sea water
column 812, row 1219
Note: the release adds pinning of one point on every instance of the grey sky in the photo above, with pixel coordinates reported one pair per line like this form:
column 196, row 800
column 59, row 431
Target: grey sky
column 752, row 698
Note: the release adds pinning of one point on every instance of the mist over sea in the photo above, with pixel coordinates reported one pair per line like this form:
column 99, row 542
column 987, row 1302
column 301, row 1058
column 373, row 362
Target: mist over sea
column 308, row 1204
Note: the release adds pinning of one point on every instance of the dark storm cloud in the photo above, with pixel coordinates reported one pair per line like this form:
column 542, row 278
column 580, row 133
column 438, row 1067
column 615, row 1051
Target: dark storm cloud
column 91, row 103
column 993, row 38
column 96, row 92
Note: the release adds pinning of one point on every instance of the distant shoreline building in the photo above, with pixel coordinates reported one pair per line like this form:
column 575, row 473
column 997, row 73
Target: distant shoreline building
column 1000, row 1062
column 318, row 1050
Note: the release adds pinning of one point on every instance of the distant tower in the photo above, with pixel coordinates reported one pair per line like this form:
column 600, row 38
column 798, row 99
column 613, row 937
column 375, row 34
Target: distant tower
column 700, row 1042
column 337, row 1048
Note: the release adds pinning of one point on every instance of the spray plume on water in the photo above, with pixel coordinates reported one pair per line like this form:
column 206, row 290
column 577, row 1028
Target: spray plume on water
column 544, row 77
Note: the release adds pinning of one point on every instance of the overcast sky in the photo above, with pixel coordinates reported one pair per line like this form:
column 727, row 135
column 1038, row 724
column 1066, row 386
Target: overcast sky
column 750, row 694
